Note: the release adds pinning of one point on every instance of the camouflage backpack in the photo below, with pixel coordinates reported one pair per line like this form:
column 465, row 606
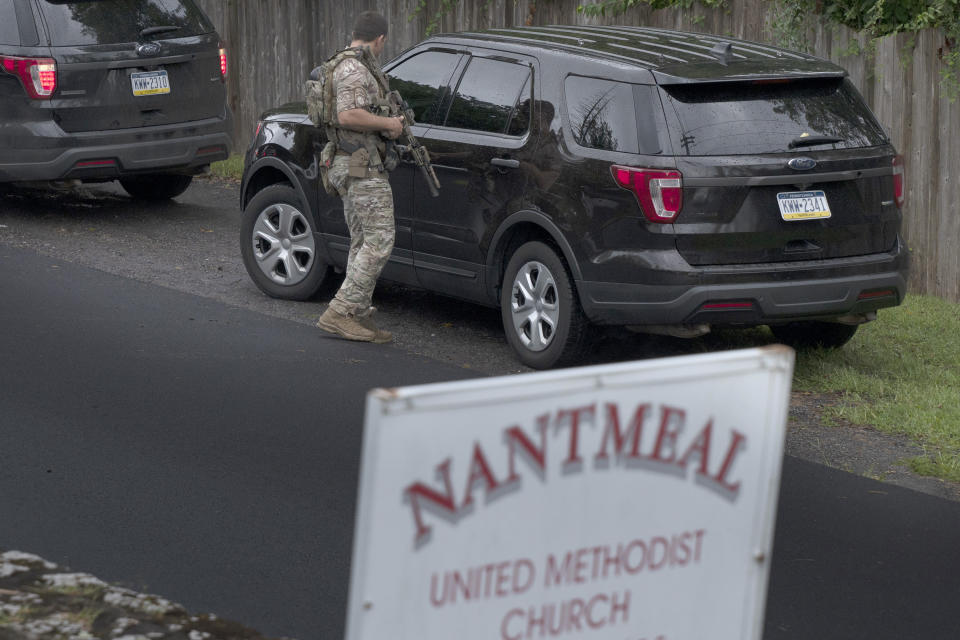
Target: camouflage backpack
column 319, row 90
column 321, row 101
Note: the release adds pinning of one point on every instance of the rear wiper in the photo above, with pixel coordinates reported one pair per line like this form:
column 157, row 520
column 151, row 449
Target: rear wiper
column 149, row 31
column 809, row 141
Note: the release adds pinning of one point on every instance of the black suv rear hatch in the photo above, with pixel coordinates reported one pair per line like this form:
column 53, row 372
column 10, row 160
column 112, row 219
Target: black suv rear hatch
column 132, row 63
column 780, row 169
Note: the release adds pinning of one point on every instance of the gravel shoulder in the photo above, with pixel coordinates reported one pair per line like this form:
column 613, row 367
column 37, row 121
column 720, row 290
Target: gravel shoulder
column 40, row 600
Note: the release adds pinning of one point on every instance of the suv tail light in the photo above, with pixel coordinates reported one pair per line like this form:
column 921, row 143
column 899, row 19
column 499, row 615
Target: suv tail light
column 898, row 191
column 223, row 63
column 659, row 192
column 38, row 75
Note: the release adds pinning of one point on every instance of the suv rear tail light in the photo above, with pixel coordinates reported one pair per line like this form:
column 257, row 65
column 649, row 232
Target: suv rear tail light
column 38, row 75
column 223, row 63
column 659, row 193
column 898, row 191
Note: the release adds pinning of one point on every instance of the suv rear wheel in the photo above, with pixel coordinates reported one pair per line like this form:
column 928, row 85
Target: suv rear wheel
column 156, row 187
column 539, row 308
column 810, row 335
column 278, row 245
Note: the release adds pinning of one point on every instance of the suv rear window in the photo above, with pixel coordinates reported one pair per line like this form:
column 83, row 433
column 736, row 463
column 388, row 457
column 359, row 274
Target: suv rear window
column 738, row 119
column 116, row 21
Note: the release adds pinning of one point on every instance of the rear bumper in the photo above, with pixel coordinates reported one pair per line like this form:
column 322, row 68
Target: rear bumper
column 42, row 151
column 755, row 294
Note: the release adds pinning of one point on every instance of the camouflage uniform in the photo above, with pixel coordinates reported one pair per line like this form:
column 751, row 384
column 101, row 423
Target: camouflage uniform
column 367, row 202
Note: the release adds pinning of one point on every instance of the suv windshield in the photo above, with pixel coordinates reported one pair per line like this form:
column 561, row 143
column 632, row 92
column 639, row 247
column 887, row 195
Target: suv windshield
column 739, row 119
column 116, row 21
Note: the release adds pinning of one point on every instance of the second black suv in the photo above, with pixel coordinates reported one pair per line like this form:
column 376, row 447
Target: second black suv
column 611, row 175
column 98, row 90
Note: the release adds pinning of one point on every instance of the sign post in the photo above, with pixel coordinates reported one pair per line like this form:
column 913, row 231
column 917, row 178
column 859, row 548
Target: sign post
column 632, row 501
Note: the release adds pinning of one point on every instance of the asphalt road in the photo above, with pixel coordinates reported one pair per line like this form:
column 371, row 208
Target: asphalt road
column 168, row 441
column 206, row 448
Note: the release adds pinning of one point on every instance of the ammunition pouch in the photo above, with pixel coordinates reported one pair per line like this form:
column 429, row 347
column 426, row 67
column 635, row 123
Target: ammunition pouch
column 369, row 156
column 359, row 165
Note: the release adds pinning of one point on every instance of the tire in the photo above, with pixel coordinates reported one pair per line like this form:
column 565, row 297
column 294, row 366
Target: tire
column 278, row 245
column 541, row 314
column 156, row 187
column 811, row 335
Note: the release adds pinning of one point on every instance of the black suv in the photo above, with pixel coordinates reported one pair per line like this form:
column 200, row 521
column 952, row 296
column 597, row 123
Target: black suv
column 98, row 90
column 655, row 179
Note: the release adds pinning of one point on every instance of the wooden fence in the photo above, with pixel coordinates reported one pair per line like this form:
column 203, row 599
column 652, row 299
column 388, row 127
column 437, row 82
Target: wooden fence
column 273, row 45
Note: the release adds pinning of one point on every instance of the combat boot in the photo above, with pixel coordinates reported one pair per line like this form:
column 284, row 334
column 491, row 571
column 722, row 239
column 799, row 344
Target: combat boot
column 348, row 327
column 382, row 335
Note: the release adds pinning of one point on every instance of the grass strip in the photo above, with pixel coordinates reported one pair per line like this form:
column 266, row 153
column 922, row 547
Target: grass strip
column 900, row 375
column 231, row 168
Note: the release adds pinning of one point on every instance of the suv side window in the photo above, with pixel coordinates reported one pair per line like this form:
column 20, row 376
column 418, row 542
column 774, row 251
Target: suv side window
column 422, row 81
column 116, row 21
column 602, row 114
column 9, row 33
column 520, row 119
column 612, row 116
column 487, row 97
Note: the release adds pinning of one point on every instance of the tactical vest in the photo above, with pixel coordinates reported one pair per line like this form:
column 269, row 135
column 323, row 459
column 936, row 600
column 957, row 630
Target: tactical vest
column 322, row 109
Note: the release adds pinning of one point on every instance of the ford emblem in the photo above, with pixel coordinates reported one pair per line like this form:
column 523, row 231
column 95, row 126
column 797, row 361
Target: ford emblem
column 802, row 164
column 150, row 49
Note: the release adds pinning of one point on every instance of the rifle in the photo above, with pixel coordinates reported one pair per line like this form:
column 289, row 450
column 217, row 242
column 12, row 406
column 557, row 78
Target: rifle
column 397, row 106
column 408, row 143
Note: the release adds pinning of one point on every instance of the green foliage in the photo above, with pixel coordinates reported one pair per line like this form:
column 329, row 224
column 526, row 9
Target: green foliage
column 446, row 7
column 877, row 19
column 791, row 19
column 616, row 7
column 231, row 168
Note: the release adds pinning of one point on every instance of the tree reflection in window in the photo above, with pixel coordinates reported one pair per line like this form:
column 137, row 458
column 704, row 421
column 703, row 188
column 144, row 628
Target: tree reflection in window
column 765, row 118
column 117, row 21
column 422, row 81
column 602, row 114
column 487, row 95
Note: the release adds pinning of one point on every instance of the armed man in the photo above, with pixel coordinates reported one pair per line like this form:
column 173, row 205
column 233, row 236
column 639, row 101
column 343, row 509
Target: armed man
column 358, row 173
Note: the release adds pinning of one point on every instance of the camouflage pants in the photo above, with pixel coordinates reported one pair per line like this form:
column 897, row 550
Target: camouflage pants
column 368, row 209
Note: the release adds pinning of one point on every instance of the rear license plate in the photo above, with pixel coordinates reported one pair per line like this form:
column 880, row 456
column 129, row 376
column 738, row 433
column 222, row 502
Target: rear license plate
column 803, row 205
column 150, row 83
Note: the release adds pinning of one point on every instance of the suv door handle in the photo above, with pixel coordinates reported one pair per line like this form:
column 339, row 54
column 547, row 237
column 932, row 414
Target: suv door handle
column 507, row 163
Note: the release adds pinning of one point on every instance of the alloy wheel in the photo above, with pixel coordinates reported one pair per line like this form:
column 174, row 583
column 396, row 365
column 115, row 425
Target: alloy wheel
column 283, row 244
column 535, row 306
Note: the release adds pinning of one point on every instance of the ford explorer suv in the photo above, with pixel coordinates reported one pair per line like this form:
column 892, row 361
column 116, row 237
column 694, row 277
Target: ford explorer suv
column 664, row 181
column 100, row 90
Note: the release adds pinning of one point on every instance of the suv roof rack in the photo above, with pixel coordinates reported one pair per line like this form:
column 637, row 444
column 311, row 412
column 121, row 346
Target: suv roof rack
column 645, row 46
column 671, row 55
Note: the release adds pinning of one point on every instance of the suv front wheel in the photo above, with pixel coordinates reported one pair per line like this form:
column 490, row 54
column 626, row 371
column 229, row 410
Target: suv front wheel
column 278, row 245
column 539, row 308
